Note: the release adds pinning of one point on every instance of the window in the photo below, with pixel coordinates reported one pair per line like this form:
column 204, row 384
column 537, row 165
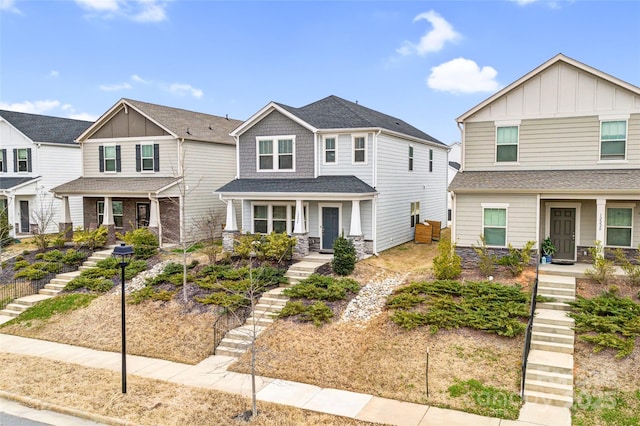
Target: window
column 415, row 213
column 410, row 158
column 148, row 158
column 22, row 160
column 276, row 153
column 329, row 150
column 619, row 226
column 279, row 217
column 109, row 158
column 260, row 219
column 3, row 160
column 117, row 209
column 494, row 226
column 507, row 144
column 359, row 149
column 613, row 137
column 430, row 160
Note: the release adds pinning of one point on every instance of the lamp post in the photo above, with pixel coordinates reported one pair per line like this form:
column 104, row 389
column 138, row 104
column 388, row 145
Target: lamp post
column 123, row 253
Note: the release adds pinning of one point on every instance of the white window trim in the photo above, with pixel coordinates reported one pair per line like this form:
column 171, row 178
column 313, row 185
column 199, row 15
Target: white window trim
column 631, row 206
column 504, row 206
column 412, row 214
column 498, row 124
column 26, row 160
column 353, row 149
column 275, row 154
column 153, row 165
column 115, row 157
column 604, row 119
column 290, row 218
column 2, row 163
column 324, row 150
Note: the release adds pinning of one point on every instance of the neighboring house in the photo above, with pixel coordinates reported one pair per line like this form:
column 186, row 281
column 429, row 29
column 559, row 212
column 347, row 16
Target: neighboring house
column 146, row 165
column 455, row 153
column 335, row 167
column 554, row 154
column 37, row 152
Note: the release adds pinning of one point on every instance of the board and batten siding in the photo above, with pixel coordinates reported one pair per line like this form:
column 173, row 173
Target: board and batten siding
column 549, row 144
column 344, row 165
column 276, row 124
column 398, row 188
column 522, row 225
column 169, row 159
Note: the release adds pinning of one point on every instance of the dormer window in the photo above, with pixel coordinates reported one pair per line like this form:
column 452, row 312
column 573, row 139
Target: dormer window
column 276, row 153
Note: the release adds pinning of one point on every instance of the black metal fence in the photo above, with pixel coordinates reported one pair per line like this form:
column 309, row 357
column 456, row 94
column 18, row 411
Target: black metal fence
column 21, row 287
column 527, row 334
column 227, row 321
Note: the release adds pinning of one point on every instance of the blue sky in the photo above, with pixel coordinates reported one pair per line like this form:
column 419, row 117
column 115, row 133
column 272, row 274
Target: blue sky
column 426, row 62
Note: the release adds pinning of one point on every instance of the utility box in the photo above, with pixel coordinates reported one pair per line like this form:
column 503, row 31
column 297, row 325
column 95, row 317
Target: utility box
column 423, row 233
column 436, row 227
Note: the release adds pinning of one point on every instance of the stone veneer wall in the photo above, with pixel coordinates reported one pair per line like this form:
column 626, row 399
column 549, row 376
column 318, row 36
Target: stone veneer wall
column 632, row 255
column 301, row 249
column 470, row 258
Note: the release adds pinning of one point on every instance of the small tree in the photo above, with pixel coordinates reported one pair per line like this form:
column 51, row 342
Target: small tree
column 486, row 261
column 43, row 216
column 447, row 265
column 631, row 269
column 344, row 256
column 517, row 259
column 143, row 241
column 602, row 267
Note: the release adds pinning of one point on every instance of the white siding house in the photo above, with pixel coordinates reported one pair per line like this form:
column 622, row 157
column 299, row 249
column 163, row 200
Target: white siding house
column 37, row 153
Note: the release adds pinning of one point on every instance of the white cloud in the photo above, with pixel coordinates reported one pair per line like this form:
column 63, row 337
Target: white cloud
column 523, row 2
column 138, row 79
column 135, row 10
column 181, row 89
column 434, row 40
column 35, row 107
column 9, row 6
column 83, row 116
column 115, row 87
column 54, row 74
column 463, row 76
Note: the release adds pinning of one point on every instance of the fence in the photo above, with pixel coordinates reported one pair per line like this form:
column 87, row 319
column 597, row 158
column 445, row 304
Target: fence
column 228, row 320
column 527, row 334
column 21, row 287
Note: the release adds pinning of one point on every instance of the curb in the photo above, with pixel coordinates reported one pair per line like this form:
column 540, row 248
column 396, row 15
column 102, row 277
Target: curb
column 43, row 405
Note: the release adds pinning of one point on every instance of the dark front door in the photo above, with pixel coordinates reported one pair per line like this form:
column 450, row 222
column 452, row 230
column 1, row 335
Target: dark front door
column 330, row 224
column 142, row 214
column 563, row 233
column 24, row 216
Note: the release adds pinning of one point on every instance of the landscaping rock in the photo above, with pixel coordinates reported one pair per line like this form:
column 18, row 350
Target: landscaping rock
column 371, row 299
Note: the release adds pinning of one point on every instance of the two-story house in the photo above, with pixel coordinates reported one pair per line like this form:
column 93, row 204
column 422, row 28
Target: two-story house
column 37, row 152
column 554, row 154
column 335, row 167
column 147, row 165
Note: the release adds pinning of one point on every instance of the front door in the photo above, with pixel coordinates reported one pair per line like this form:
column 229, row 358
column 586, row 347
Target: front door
column 24, row 217
column 142, row 214
column 563, row 232
column 330, row 225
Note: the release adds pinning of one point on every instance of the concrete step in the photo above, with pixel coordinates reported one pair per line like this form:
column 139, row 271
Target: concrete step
column 570, row 292
column 85, row 267
column 552, row 337
column 90, row 263
column 552, row 329
column 54, row 286
column 235, row 343
column 263, row 321
column 548, row 399
column 234, row 352
column 558, row 297
column 542, row 345
column 68, row 275
column 60, row 281
column 49, row 292
column 557, row 281
column 298, row 274
column 16, row 307
column 8, row 313
column 548, row 376
column 31, row 300
column 548, row 387
column 245, row 332
column 305, row 266
column 555, row 306
column 318, row 257
column 268, row 308
column 552, row 317
column 550, row 361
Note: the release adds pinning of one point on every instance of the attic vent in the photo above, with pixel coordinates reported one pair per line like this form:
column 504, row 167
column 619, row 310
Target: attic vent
column 397, row 124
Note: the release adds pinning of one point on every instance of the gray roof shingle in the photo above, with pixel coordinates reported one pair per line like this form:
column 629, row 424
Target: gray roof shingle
column 123, row 185
column 201, row 127
column 321, row 184
column 11, row 182
column 549, row 181
column 334, row 112
column 43, row 128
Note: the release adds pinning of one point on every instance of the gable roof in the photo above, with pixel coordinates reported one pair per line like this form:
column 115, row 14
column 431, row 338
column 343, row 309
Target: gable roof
column 180, row 123
column 43, row 128
column 321, row 184
column 335, row 113
column 551, row 62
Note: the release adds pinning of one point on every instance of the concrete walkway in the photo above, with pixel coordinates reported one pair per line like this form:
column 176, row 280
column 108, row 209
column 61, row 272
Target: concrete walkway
column 212, row 374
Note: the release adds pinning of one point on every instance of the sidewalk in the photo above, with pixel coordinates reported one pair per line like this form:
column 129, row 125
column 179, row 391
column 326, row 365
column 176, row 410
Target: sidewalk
column 212, row 373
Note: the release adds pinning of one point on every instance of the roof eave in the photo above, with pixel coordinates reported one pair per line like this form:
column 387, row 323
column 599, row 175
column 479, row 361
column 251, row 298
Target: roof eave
column 311, row 196
column 266, row 110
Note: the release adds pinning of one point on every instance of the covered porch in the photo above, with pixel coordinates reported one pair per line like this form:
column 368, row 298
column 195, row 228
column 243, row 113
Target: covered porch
column 17, row 199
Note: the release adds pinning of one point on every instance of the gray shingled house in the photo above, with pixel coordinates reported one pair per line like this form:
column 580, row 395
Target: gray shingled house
column 334, row 167
column 554, row 154
column 37, row 152
column 145, row 165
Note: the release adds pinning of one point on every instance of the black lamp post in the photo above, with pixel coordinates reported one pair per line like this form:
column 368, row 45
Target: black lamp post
column 123, row 253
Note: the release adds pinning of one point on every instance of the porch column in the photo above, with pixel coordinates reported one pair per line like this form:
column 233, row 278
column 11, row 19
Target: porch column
column 65, row 226
column 298, row 224
column 601, row 226
column 153, row 217
column 107, row 221
column 231, row 223
column 301, row 248
column 11, row 213
column 230, row 230
column 355, row 230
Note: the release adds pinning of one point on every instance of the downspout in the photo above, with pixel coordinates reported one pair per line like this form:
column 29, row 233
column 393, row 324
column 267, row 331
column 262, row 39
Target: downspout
column 317, row 152
column 182, row 198
column 237, row 139
column 453, row 217
column 462, row 145
column 374, row 202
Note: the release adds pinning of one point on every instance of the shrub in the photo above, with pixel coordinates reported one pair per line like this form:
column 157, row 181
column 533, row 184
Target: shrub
column 148, row 293
column 31, row 273
column 319, row 313
column 319, row 287
column 90, row 239
column 19, row 264
column 517, row 259
column 143, row 241
column 602, row 267
column 58, row 241
column 278, row 246
column 486, row 261
column 98, row 284
column 73, row 257
column 344, row 256
column 212, row 251
column 249, row 245
column 632, row 270
column 447, row 264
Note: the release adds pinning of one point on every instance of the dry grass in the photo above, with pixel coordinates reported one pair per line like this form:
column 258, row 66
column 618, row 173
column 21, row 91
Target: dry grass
column 147, row 402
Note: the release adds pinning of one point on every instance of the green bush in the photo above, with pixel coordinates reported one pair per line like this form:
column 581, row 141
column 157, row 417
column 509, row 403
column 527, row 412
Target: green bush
column 631, row 269
column 249, row 245
column 319, row 287
column 602, row 267
column 148, row 293
column 318, row 313
column 486, row 261
column 30, row 273
column 447, row 264
column 58, row 241
column 229, row 301
column 344, row 256
column 98, row 284
column 90, row 239
column 292, row 308
column 73, row 257
column 517, row 259
column 19, row 264
column 278, row 246
column 51, row 256
column 143, row 241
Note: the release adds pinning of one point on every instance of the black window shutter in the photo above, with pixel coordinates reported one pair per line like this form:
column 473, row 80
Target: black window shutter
column 15, row 160
column 156, row 157
column 138, row 159
column 101, row 157
column 29, row 159
column 4, row 160
column 118, row 168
